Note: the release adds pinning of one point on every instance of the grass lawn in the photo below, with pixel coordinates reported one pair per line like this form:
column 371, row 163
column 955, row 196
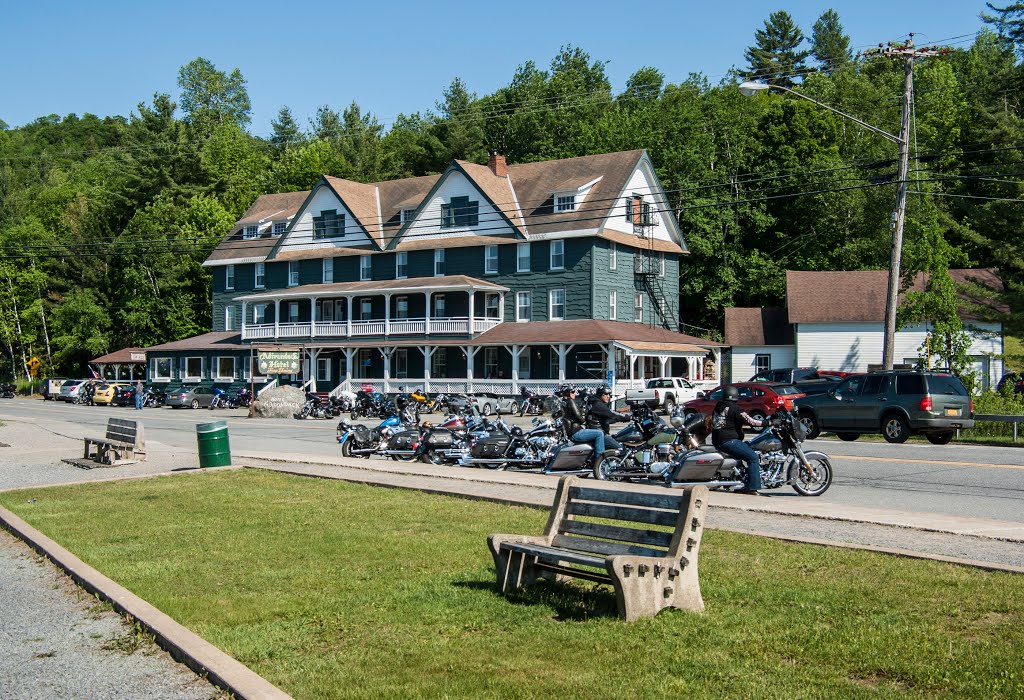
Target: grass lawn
column 334, row 590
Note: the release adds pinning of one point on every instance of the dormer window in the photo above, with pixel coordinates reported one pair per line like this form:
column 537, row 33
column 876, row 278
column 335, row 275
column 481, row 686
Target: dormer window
column 565, row 202
column 408, row 215
column 330, row 224
column 251, row 231
column 460, row 212
column 279, row 227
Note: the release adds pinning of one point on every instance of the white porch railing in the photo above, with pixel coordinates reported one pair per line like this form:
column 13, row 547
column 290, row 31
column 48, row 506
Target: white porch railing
column 331, row 329
column 368, row 328
column 408, row 325
column 272, row 383
column 449, row 325
column 257, row 332
column 481, row 325
column 502, row 387
column 294, row 330
column 339, row 329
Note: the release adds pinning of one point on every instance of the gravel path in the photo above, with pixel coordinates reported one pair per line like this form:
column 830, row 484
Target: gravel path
column 56, row 641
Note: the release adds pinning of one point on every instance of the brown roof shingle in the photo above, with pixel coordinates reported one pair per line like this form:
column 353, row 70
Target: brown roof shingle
column 221, row 340
column 280, row 206
column 546, row 332
column 757, row 326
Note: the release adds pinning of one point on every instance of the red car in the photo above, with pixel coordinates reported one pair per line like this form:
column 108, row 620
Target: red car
column 759, row 400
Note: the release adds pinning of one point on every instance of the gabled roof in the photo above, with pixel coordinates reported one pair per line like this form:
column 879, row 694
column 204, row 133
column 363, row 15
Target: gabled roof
column 121, row 357
column 361, row 200
column 860, row 295
column 221, row 340
column 757, row 326
column 283, row 205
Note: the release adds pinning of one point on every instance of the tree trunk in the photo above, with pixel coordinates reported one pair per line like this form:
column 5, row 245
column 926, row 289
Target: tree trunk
column 42, row 317
column 17, row 328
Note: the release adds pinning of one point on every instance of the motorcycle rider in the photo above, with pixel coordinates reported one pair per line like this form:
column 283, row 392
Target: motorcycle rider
column 727, row 435
column 600, row 417
column 574, row 421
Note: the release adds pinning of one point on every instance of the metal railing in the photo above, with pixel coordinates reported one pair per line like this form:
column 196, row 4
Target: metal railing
column 1000, row 418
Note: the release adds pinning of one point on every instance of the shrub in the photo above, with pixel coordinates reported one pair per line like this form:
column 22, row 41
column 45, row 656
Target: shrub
column 26, row 387
column 1004, row 402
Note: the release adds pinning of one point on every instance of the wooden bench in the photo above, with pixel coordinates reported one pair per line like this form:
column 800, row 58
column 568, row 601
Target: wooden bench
column 125, row 441
column 649, row 569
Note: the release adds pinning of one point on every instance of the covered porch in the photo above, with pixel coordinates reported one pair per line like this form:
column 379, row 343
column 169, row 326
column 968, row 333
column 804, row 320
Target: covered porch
column 127, row 364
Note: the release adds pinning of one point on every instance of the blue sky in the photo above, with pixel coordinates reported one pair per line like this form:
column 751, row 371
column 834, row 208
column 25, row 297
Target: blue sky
column 105, row 57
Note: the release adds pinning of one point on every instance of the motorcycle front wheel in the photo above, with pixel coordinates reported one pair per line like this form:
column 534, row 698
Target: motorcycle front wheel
column 815, row 482
column 606, row 468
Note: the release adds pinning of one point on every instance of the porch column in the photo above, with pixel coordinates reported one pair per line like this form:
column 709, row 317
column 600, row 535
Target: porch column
column 664, row 365
column 563, row 351
column 470, row 351
column 387, row 315
column 312, row 317
column 277, row 317
column 501, row 306
column 428, row 354
column 609, row 353
column 386, row 352
column 243, row 320
column 350, row 354
column 426, row 315
column 471, row 295
column 313, row 355
column 516, row 351
column 348, row 321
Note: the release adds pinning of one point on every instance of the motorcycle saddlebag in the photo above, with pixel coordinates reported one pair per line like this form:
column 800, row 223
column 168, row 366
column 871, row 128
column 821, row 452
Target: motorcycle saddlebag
column 440, row 438
column 699, row 466
column 489, row 448
column 403, row 440
column 570, row 457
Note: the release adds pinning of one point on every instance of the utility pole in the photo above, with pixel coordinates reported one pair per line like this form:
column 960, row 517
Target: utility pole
column 906, row 53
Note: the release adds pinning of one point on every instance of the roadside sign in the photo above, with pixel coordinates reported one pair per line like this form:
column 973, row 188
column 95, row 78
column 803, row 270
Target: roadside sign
column 278, row 362
column 611, row 379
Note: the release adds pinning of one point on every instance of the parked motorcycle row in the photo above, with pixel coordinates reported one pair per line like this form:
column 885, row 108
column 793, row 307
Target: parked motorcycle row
column 7, row 391
column 672, row 454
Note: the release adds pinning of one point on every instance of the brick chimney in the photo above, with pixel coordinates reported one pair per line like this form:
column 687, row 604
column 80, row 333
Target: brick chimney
column 497, row 164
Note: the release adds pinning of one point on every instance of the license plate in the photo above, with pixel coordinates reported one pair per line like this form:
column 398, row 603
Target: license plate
column 952, row 411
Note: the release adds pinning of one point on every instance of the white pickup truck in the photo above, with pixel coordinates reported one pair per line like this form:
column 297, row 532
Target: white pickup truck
column 663, row 392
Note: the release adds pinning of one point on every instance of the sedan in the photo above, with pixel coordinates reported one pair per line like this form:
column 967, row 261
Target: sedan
column 489, row 403
column 105, row 392
column 193, row 397
column 757, row 399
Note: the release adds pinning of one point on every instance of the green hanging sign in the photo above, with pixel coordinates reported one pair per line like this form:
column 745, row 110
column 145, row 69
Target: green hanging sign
column 278, row 362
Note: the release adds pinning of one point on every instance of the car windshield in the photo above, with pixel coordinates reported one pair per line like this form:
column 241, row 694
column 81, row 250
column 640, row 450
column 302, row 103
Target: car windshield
column 786, row 390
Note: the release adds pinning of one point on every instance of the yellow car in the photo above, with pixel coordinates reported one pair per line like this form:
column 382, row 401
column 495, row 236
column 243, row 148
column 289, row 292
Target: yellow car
column 105, row 392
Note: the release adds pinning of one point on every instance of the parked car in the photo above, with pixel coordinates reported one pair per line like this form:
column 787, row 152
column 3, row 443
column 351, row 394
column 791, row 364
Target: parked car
column 663, row 392
column 192, row 397
column 489, row 403
column 895, row 403
column 105, row 392
column 51, row 388
column 70, row 389
column 124, row 395
column 1014, row 380
column 757, row 399
column 787, row 375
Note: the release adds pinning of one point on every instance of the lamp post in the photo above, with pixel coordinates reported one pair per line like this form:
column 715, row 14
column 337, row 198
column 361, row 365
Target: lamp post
column 899, row 214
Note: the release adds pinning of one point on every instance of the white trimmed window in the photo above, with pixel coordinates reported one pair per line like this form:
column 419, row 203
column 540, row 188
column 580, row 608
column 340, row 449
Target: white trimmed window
column 260, row 280
column 439, row 363
column 524, row 364
column 251, row 231
column 524, row 306
column 325, row 310
column 328, row 275
column 762, row 363
column 293, row 312
column 439, row 262
column 491, row 305
column 323, row 369
column 193, row 369
column 556, row 305
column 400, row 363
column 365, row 268
column 330, row 224
column 661, row 265
column 401, row 265
column 613, row 256
column 638, row 308
column 491, row 260
column 293, row 273
column 490, row 362
column 225, row 369
column 259, row 313
column 229, row 277
column 613, row 304
column 163, row 369
column 401, row 307
column 557, row 255
column 408, row 215
column 365, row 309
column 280, row 227
column 439, row 310
column 523, row 257
column 229, row 318
column 565, row 202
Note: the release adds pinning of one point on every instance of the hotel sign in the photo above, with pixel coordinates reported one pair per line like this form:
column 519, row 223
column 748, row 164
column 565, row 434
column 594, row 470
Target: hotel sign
column 278, row 362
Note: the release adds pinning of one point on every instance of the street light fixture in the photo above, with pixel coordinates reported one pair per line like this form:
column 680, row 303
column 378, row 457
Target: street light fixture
column 751, row 87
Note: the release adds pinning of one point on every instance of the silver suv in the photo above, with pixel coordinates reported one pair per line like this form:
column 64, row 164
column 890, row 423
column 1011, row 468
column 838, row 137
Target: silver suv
column 896, row 404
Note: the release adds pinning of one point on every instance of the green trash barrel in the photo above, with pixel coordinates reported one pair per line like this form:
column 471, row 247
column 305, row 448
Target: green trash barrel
column 214, row 450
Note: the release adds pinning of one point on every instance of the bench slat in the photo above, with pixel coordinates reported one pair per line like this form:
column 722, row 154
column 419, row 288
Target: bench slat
column 635, row 515
column 554, row 554
column 628, row 498
column 613, row 532
column 604, row 547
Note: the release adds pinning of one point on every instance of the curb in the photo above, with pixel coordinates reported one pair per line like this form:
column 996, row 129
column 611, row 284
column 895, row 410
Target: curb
column 183, row 645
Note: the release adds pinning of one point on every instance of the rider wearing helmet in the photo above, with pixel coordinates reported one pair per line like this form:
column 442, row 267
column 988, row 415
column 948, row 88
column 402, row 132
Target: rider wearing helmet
column 600, row 416
column 727, row 435
column 574, row 421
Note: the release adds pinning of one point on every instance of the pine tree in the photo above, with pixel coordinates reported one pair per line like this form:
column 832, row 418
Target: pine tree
column 1008, row 21
column 774, row 55
column 830, row 46
column 286, row 130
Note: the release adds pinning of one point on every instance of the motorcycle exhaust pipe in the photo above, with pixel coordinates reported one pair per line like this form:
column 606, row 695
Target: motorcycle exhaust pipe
column 398, row 453
column 709, row 484
column 473, row 461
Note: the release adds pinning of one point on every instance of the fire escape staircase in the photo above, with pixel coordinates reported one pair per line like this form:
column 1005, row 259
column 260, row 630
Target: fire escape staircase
column 647, row 271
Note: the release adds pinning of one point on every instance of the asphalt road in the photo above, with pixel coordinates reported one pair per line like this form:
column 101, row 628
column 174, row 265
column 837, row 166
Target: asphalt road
column 963, row 480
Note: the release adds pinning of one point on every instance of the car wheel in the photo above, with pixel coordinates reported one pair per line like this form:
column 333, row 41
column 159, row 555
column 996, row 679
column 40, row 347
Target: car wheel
column 195, row 403
column 810, row 424
column 895, row 429
column 847, row 437
column 939, row 438
column 486, row 410
column 670, row 405
column 757, row 415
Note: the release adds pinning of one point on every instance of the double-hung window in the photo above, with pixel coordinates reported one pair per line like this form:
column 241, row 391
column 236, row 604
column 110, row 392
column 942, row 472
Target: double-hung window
column 259, row 314
column 490, row 362
column 565, row 202
column 439, row 363
column 293, row 273
column 524, row 306
column 459, row 213
column 279, row 227
column 251, row 231
column 491, row 306
column 323, row 369
column 229, row 278
column 365, row 268
column 439, row 262
column 661, row 265
column 638, row 307
column 401, row 265
column 365, row 309
column 293, row 312
column 491, row 260
column 556, row 305
column 229, row 318
column 401, row 307
column 328, row 270
column 613, row 304
column 523, row 257
column 260, row 280
column 439, row 310
column 330, row 224
column 557, row 255
column 613, row 256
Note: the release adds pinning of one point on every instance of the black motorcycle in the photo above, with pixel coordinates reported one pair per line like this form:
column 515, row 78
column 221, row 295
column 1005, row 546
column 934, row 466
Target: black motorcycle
column 646, row 440
column 154, row 398
column 370, row 404
column 314, row 407
column 7, row 391
column 530, row 404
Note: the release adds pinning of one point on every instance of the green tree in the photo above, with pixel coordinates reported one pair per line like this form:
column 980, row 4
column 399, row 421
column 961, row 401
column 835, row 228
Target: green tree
column 775, row 55
column 1008, row 21
column 286, row 132
column 830, row 45
column 211, row 97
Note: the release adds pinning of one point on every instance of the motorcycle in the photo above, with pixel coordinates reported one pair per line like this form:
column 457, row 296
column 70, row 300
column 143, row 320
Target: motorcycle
column 645, row 441
column 393, row 438
column 369, row 404
column 314, row 407
column 243, row 399
column 7, row 391
column 154, row 398
column 780, row 451
column 531, row 404
column 510, row 447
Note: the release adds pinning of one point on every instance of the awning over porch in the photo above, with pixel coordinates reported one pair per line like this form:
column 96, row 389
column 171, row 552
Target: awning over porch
column 450, row 283
column 645, row 349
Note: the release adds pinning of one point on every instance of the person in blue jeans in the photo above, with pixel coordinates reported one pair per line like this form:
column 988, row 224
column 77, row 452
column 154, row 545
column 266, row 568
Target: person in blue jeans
column 727, row 435
column 140, row 392
column 574, row 421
